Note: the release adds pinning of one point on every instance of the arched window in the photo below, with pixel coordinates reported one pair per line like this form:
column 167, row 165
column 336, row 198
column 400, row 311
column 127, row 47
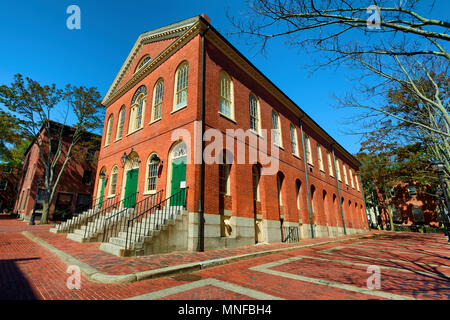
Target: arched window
column 226, row 95
column 152, row 175
column 276, row 128
column 113, row 181
column 158, row 92
column 254, row 113
column 256, row 178
column 109, row 130
column 280, row 178
column 181, row 86
column 120, row 123
column 137, row 109
column 294, row 145
column 308, row 150
column 345, row 174
column 146, row 59
column 298, row 185
column 224, row 175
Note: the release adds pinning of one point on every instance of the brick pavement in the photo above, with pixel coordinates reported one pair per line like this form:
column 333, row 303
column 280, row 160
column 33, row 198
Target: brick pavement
column 30, row 271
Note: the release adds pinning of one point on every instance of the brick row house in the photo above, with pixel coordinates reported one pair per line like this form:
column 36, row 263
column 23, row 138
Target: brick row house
column 9, row 179
column 76, row 185
column 183, row 80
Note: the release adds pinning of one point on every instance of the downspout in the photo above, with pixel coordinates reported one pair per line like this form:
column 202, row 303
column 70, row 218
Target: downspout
column 338, row 188
column 201, row 201
column 307, row 183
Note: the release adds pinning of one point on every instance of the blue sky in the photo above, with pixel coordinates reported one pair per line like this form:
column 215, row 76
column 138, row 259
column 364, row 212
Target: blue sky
column 36, row 43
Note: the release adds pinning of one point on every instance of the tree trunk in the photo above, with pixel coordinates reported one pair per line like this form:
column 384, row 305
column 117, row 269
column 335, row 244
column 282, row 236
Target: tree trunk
column 45, row 212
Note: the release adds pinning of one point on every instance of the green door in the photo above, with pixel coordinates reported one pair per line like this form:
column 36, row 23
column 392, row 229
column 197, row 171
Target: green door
column 102, row 193
column 131, row 188
column 178, row 176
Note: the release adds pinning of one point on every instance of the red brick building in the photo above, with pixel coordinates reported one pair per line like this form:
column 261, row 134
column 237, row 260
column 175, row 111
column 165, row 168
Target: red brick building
column 413, row 204
column 76, row 185
column 185, row 74
column 9, row 179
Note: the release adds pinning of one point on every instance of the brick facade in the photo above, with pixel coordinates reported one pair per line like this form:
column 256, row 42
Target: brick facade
column 238, row 204
column 71, row 189
column 9, row 179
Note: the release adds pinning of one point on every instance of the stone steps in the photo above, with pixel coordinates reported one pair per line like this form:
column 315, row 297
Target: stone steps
column 139, row 234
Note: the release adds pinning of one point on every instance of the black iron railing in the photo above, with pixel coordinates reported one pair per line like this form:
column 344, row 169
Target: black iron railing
column 93, row 222
column 291, row 234
column 95, row 206
column 153, row 218
column 118, row 222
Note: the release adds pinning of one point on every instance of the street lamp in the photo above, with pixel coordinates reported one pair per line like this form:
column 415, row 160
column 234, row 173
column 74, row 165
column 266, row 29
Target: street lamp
column 155, row 160
column 438, row 167
column 125, row 157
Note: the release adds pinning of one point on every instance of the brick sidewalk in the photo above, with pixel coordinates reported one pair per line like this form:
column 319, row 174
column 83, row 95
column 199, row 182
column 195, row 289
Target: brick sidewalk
column 109, row 264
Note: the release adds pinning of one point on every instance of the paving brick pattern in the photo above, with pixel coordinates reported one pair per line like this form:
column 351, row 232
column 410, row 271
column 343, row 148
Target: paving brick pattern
column 30, row 271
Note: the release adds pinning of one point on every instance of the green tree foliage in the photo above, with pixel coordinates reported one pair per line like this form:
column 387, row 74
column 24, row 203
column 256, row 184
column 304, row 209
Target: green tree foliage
column 40, row 107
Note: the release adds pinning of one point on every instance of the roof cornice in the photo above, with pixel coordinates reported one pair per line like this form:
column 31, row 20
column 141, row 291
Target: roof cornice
column 171, row 31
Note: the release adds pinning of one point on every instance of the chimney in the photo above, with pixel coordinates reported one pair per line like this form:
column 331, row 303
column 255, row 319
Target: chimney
column 204, row 16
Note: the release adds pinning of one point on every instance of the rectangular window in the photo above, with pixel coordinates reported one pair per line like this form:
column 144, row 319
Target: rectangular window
column 351, row 179
column 157, row 101
column 338, row 170
column 330, row 165
column 113, row 186
column 319, row 157
column 226, row 95
column 294, row 140
column 345, row 174
column 357, row 182
column 308, row 150
column 152, row 175
column 3, row 184
column 83, row 200
column 276, row 128
column 181, row 85
column 254, row 114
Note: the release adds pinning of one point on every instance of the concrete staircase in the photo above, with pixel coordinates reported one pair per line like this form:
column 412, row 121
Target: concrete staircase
column 146, row 232
column 74, row 222
column 92, row 231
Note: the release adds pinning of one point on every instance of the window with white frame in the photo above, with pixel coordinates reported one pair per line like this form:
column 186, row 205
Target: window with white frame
column 113, row 181
column 330, row 165
column 254, row 113
column 226, row 95
column 3, row 184
column 152, row 175
column 143, row 62
column 181, row 86
column 338, row 170
column 345, row 174
column 308, row 150
column 351, row 179
column 319, row 157
column 137, row 110
column 120, row 123
column 276, row 128
column 357, row 182
column 294, row 144
column 109, row 130
column 158, row 93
